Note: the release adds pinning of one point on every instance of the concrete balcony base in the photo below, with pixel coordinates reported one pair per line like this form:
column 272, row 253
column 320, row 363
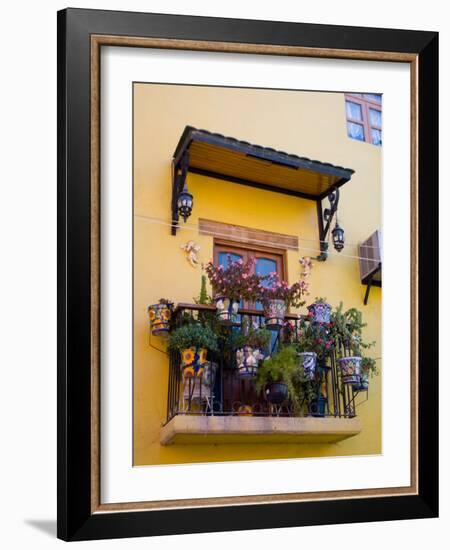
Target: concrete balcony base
column 193, row 429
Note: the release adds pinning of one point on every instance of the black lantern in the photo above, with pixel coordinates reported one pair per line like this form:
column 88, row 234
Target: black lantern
column 185, row 202
column 338, row 237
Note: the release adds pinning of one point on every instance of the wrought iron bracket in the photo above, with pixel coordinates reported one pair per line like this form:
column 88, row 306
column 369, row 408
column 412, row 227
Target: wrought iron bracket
column 179, row 173
column 325, row 217
column 371, row 282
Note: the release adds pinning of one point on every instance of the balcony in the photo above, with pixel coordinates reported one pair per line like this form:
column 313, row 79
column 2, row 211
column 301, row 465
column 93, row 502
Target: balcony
column 224, row 407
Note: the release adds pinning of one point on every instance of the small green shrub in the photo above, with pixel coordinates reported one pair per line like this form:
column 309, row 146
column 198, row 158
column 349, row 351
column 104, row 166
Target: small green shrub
column 192, row 335
column 285, row 366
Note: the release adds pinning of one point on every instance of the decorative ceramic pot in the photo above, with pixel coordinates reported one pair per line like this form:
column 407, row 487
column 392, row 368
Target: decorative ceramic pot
column 276, row 393
column 247, row 359
column 308, row 359
column 227, row 310
column 363, row 384
column 193, row 362
column 320, row 312
column 350, row 369
column 159, row 315
column 318, row 406
column 209, row 374
column 274, row 312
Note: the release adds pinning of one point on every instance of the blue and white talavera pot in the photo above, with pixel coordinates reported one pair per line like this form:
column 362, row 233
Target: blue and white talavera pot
column 247, row 359
column 274, row 313
column 350, row 369
column 363, row 384
column 308, row 360
column 227, row 309
column 320, row 312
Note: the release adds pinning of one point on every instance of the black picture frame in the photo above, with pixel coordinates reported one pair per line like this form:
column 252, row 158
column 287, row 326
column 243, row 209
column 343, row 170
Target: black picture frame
column 75, row 518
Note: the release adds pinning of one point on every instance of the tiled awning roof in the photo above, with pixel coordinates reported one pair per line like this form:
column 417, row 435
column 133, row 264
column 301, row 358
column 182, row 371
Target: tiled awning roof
column 230, row 159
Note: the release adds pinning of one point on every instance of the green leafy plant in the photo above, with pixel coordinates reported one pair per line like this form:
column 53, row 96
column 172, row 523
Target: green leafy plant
column 255, row 337
column 315, row 337
column 192, row 335
column 369, row 366
column 258, row 338
column 347, row 330
column 285, row 366
column 203, row 298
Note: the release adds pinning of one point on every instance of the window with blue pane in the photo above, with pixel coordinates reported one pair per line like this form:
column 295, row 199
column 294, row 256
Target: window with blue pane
column 265, row 262
column 225, row 258
column 263, row 267
column 364, row 119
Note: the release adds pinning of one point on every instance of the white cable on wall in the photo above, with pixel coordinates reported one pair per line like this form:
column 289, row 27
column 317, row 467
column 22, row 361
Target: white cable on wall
column 192, row 227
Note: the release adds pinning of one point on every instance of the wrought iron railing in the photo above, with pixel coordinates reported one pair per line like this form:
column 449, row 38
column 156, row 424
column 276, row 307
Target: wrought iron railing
column 221, row 390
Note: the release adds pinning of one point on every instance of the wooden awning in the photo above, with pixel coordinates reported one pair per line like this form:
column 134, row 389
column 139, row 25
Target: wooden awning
column 227, row 158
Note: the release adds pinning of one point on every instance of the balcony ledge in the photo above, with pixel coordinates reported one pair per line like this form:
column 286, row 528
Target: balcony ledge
column 192, row 429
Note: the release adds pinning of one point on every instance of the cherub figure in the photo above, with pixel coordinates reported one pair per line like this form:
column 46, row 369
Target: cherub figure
column 191, row 250
column 307, row 265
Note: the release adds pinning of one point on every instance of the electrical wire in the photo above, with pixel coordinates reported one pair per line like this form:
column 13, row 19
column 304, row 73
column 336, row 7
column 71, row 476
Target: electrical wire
column 191, row 227
column 196, row 228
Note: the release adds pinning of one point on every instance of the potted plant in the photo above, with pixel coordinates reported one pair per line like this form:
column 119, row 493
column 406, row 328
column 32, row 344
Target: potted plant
column 368, row 370
column 281, row 377
column 315, row 343
column 319, row 311
column 193, row 341
column 251, row 345
column 231, row 284
column 160, row 315
column 347, row 328
column 277, row 296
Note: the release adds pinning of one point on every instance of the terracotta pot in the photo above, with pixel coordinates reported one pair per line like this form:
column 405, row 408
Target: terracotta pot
column 276, row 392
column 274, row 312
column 308, row 360
column 160, row 315
column 227, row 310
column 247, row 359
column 193, row 362
column 350, row 369
column 320, row 312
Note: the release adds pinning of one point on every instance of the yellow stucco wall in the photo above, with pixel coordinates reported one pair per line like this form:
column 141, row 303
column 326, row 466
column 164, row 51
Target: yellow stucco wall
column 308, row 124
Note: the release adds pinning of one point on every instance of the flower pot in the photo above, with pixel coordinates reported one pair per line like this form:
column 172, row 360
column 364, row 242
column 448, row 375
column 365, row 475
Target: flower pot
column 318, row 407
column 308, row 359
column 363, row 384
column 247, row 359
column 274, row 312
column 159, row 315
column 276, row 393
column 209, row 374
column 320, row 312
column 350, row 369
column 227, row 310
column 193, row 362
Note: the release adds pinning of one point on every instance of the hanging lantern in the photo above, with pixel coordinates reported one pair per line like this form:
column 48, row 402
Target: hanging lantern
column 185, row 202
column 338, row 237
